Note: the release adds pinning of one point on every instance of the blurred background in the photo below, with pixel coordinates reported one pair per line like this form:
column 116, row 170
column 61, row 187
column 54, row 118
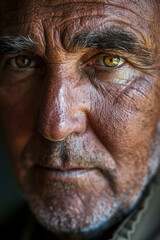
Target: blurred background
column 10, row 197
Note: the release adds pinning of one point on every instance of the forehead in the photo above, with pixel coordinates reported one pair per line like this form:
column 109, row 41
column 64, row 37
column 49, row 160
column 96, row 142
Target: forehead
column 65, row 17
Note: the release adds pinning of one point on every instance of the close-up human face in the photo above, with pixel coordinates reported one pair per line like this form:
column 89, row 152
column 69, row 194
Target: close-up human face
column 79, row 106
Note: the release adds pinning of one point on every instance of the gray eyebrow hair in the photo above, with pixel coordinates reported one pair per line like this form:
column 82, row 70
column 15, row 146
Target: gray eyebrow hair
column 16, row 44
column 102, row 40
column 112, row 40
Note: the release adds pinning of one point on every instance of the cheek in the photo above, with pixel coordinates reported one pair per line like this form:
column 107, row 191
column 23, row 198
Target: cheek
column 126, row 127
column 128, row 119
column 18, row 115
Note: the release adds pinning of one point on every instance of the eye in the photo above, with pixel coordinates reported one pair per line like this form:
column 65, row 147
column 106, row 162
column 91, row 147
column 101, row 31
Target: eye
column 21, row 61
column 112, row 61
column 106, row 62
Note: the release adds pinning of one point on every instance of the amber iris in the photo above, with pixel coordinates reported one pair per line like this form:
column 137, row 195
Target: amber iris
column 22, row 61
column 112, row 61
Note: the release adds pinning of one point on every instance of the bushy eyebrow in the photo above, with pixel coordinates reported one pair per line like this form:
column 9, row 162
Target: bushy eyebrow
column 113, row 40
column 16, row 44
column 102, row 40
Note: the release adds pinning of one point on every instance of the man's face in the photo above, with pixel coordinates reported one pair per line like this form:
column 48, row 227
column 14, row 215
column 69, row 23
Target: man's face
column 79, row 110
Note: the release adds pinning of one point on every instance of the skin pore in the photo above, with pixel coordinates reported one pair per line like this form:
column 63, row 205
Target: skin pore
column 79, row 107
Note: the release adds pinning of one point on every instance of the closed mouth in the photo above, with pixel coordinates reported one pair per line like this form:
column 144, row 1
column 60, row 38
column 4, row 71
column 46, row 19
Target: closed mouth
column 68, row 173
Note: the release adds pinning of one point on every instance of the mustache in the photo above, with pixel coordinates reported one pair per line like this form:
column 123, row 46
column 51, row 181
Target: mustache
column 72, row 152
column 65, row 152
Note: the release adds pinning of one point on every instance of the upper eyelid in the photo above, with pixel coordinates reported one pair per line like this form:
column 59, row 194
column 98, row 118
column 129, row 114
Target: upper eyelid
column 25, row 53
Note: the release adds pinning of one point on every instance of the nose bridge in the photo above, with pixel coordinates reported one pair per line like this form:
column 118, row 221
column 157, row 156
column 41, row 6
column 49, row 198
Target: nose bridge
column 61, row 111
column 64, row 104
column 54, row 103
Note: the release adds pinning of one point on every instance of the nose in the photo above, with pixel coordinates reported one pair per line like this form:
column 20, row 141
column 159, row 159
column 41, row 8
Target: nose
column 61, row 113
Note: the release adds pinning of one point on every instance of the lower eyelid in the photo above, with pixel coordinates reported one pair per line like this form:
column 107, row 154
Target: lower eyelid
column 20, row 71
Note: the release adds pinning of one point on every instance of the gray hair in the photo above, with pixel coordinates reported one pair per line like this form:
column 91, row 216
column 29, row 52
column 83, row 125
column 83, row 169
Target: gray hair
column 15, row 44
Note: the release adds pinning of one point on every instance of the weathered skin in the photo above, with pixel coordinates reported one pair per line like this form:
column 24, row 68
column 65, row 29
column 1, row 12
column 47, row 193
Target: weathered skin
column 59, row 116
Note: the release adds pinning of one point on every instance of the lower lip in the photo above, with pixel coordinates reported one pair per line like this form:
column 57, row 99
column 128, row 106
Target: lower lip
column 66, row 174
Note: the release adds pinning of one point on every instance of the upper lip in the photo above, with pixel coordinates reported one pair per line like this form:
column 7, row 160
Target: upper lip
column 63, row 168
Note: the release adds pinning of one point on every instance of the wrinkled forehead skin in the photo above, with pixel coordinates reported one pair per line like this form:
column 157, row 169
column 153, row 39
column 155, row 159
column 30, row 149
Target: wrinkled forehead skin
column 67, row 17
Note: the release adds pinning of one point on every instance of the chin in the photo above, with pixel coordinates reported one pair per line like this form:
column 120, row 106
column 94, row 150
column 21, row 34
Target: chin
column 73, row 218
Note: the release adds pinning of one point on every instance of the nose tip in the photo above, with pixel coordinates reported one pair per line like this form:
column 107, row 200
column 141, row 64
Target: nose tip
column 59, row 127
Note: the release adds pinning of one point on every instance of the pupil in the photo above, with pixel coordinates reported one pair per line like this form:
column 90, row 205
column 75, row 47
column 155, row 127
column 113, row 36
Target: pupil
column 111, row 61
column 23, row 62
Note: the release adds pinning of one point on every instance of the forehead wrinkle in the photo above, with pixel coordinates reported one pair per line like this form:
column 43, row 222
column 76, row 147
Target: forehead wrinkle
column 124, row 7
column 70, row 4
column 60, row 10
column 100, row 11
column 91, row 3
column 47, row 3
